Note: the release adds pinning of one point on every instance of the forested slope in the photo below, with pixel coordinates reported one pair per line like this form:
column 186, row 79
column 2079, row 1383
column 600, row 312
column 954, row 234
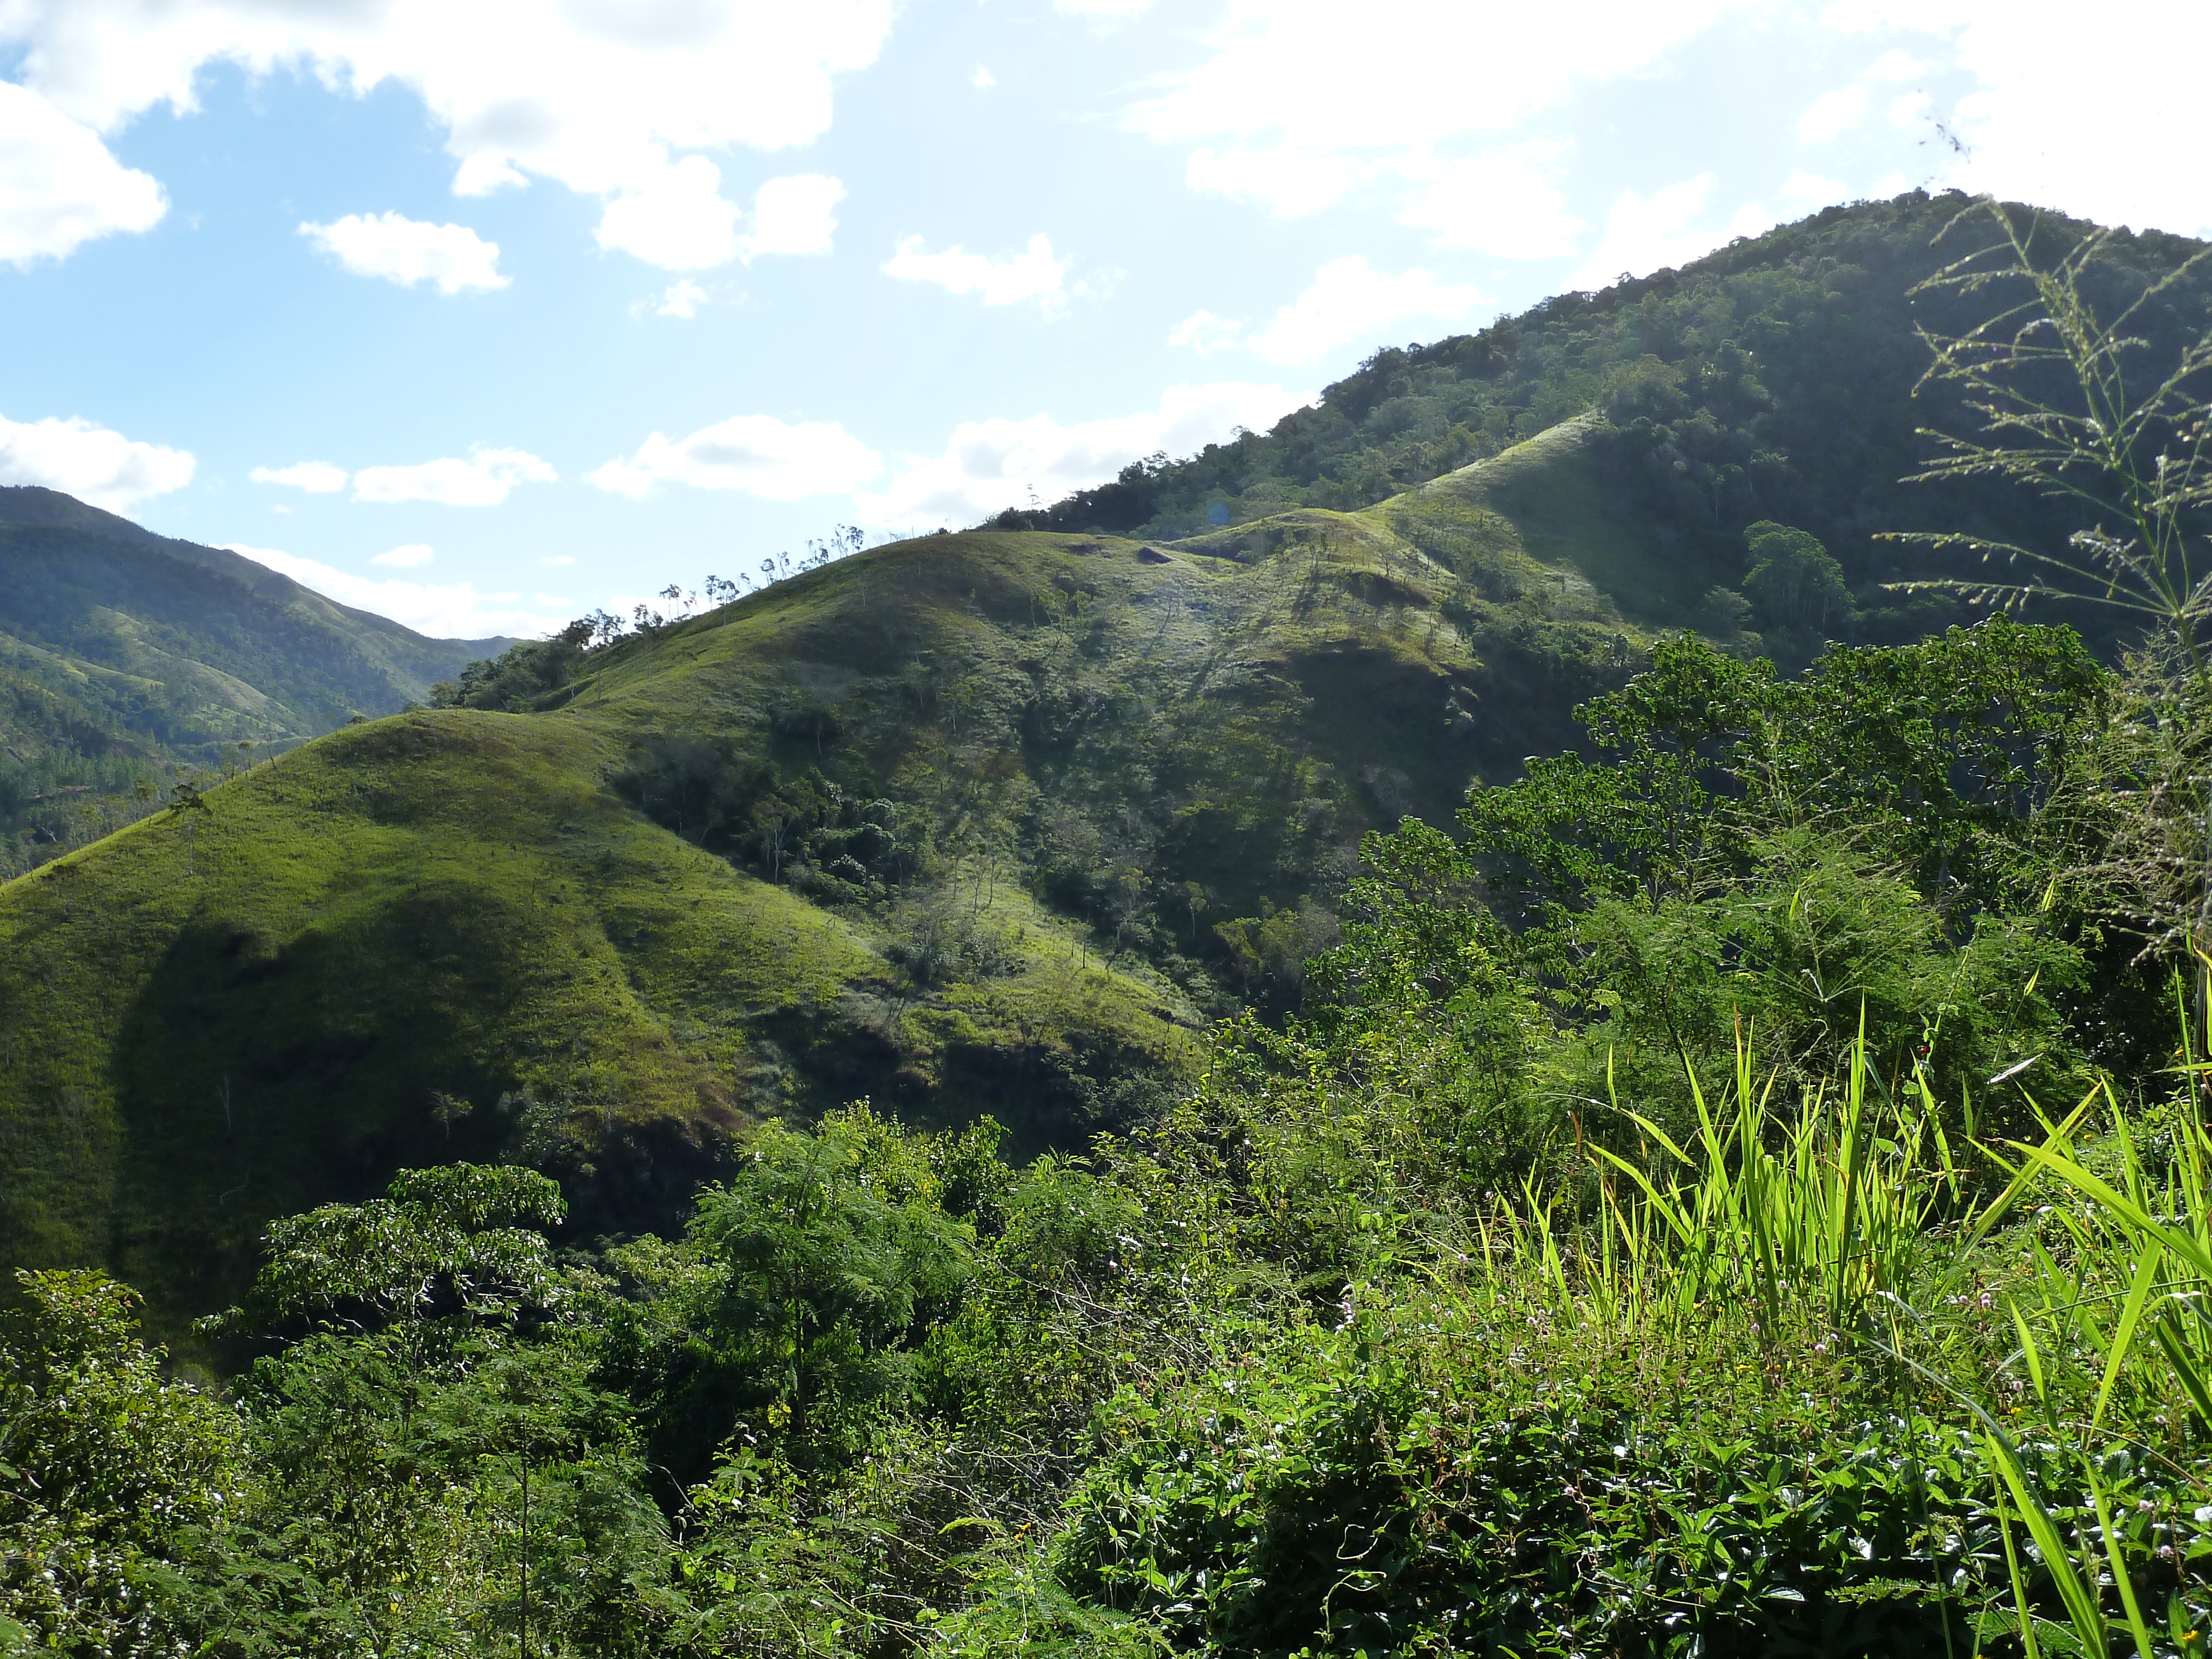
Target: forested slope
column 1773, row 380
column 125, row 655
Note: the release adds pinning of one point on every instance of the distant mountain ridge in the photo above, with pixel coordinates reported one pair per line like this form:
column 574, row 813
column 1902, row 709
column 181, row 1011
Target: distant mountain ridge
column 124, row 654
column 374, row 664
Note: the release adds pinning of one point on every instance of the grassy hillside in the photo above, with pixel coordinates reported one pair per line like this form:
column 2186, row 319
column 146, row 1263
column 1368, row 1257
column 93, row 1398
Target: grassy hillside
column 977, row 822
column 125, row 655
column 990, row 822
column 132, row 657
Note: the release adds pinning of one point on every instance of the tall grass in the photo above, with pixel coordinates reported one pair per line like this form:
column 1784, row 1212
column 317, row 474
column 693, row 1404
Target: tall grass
column 1852, row 1218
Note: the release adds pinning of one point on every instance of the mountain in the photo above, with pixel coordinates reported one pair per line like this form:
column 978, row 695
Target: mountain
column 987, row 822
column 124, row 654
column 1777, row 379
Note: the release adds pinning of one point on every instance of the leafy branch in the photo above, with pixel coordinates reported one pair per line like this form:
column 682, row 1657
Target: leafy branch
column 2059, row 389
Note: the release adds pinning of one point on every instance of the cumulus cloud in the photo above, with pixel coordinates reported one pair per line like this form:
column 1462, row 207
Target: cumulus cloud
column 2038, row 122
column 1507, row 204
column 1033, row 274
column 1203, row 332
column 410, row 251
column 59, row 187
column 757, row 454
column 982, row 80
column 407, row 558
column 96, row 466
column 1290, row 109
column 1290, row 181
column 486, row 479
column 1350, row 302
column 316, row 477
column 1832, row 114
column 680, row 220
column 674, row 216
column 447, row 611
column 987, row 466
column 610, row 98
column 797, row 215
column 1644, row 233
column 679, row 299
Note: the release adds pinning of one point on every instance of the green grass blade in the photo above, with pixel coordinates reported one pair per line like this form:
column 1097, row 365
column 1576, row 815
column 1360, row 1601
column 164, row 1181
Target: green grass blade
column 2082, row 1609
column 2121, row 1581
column 2124, row 1333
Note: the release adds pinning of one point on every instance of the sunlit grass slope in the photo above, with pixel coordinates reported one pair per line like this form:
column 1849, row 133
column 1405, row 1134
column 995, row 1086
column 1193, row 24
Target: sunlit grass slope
column 466, row 933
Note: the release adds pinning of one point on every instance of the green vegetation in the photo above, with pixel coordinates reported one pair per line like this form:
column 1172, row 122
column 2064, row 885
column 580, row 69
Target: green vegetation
column 128, row 660
column 1275, row 1376
column 984, row 823
column 1736, row 1184
column 989, row 822
column 1775, row 379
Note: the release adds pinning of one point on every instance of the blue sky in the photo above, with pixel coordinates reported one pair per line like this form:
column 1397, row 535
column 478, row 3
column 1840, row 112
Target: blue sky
column 482, row 313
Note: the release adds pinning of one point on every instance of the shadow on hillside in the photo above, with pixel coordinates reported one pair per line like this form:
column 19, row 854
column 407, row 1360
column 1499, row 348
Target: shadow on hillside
column 256, row 1079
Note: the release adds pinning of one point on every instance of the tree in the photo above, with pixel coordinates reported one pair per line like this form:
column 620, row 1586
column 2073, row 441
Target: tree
column 186, row 802
column 1793, row 582
column 463, row 1237
column 111, row 1475
column 813, row 1270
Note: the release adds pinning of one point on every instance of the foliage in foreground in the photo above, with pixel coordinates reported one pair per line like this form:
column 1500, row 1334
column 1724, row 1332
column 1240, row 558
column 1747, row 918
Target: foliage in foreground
column 1275, row 1378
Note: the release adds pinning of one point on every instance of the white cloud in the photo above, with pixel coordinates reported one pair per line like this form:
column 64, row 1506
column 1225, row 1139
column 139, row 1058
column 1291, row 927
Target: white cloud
column 756, row 453
column 2040, row 122
column 59, row 187
column 599, row 96
column 407, row 558
column 673, row 216
column 1507, row 204
column 1803, row 186
column 1895, row 65
column 1644, row 233
column 1832, row 114
column 1203, row 331
column 1289, row 181
column 1102, row 8
column 447, row 611
column 1032, row 274
column 797, row 215
column 1349, row 302
column 563, row 559
column 1909, row 108
column 1293, row 109
column 316, row 477
column 982, row 80
column 485, row 479
column 102, row 468
column 679, row 299
column 409, row 251
column 679, row 221
column 987, row 466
